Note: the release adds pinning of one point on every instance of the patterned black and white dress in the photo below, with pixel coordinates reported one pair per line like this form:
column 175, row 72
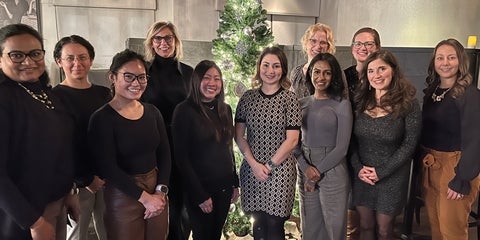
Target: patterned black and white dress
column 267, row 117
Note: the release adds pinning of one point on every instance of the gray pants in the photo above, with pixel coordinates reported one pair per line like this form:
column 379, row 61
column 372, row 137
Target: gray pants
column 324, row 211
column 91, row 205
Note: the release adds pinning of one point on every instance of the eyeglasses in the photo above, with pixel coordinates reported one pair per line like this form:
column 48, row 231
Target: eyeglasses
column 319, row 42
column 80, row 58
column 130, row 77
column 367, row 45
column 19, row 56
column 168, row 39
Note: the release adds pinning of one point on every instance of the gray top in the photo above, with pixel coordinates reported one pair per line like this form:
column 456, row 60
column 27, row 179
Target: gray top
column 325, row 123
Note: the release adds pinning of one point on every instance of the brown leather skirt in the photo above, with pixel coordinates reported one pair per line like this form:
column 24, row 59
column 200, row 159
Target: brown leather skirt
column 124, row 216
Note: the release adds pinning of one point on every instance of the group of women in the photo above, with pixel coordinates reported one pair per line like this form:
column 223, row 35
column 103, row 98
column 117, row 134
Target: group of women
column 158, row 145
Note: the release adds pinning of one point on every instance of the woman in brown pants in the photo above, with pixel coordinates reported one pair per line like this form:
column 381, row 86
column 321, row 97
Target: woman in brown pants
column 130, row 145
column 451, row 142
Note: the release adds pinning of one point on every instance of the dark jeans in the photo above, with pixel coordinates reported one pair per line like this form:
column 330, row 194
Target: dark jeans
column 208, row 226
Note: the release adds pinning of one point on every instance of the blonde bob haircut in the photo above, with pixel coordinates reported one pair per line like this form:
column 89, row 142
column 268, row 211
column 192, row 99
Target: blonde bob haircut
column 152, row 31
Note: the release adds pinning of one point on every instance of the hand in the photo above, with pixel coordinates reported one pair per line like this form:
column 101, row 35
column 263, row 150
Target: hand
column 452, row 195
column 367, row 175
column 154, row 204
column 42, row 230
column 97, row 184
column 260, row 171
column 312, row 174
column 207, row 206
column 72, row 204
column 309, row 186
column 235, row 195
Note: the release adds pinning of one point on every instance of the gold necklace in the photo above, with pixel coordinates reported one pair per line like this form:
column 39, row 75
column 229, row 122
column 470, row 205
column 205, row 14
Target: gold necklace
column 41, row 97
column 439, row 98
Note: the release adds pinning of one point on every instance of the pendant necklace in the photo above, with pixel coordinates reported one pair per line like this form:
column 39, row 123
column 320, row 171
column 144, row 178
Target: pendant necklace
column 41, row 97
column 439, row 98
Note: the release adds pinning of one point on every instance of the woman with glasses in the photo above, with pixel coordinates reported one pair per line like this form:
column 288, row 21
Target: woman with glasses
column 365, row 41
column 74, row 55
column 36, row 143
column 168, row 86
column 318, row 38
column 130, row 146
column 203, row 139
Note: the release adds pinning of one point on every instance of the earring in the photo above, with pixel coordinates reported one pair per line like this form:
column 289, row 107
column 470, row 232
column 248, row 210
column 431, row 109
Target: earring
column 369, row 87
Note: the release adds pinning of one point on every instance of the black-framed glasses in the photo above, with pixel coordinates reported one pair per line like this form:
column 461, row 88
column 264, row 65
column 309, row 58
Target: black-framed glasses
column 19, row 56
column 367, row 45
column 130, row 77
column 168, row 38
column 80, row 58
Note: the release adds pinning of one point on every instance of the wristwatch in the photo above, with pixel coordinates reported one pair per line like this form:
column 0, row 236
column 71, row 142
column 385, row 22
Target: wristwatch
column 162, row 188
column 271, row 164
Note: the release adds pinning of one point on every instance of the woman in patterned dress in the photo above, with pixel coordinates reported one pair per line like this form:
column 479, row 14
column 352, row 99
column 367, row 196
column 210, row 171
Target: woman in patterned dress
column 270, row 116
column 386, row 131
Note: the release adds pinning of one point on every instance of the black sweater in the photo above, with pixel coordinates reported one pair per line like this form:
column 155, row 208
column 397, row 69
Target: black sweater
column 205, row 164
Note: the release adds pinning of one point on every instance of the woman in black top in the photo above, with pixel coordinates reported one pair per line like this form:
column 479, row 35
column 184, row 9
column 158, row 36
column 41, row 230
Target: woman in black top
column 451, row 141
column 36, row 155
column 203, row 133
column 74, row 55
column 168, row 86
column 130, row 146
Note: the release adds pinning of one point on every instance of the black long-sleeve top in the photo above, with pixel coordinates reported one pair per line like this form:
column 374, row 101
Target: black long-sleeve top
column 205, row 164
column 81, row 103
column 36, row 153
column 453, row 125
column 122, row 147
column 169, row 84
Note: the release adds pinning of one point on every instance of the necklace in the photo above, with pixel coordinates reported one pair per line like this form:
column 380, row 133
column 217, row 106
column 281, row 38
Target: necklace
column 439, row 98
column 41, row 97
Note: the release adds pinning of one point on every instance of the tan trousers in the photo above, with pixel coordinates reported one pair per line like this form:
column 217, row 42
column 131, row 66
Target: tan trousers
column 55, row 214
column 448, row 218
column 124, row 215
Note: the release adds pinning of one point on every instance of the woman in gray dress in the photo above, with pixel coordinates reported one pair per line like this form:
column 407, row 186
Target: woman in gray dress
column 386, row 132
column 326, row 130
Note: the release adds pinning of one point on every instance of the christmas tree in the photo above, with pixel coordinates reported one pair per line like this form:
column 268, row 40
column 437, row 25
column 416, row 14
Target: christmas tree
column 241, row 37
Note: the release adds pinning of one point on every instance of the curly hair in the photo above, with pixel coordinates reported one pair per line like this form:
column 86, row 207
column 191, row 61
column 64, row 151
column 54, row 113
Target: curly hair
column 336, row 89
column 284, row 81
column 400, row 93
column 464, row 78
column 312, row 30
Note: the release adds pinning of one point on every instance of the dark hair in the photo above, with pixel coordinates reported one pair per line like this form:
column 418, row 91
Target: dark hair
column 284, row 82
column 57, row 51
column 226, row 121
column 121, row 59
column 376, row 36
column 397, row 100
column 464, row 78
column 336, row 89
column 18, row 29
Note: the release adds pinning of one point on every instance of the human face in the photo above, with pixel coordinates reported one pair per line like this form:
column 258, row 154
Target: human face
column 124, row 89
column 379, row 74
column 164, row 43
column 28, row 70
column 270, row 70
column 211, row 85
column 321, row 76
column 361, row 53
column 317, row 44
column 446, row 63
column 75, row 61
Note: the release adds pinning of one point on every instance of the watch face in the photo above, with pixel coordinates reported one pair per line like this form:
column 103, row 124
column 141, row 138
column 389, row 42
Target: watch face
column 164, row 189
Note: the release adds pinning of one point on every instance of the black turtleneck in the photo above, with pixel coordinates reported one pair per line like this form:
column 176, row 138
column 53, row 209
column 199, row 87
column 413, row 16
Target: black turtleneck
column 169, row 84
